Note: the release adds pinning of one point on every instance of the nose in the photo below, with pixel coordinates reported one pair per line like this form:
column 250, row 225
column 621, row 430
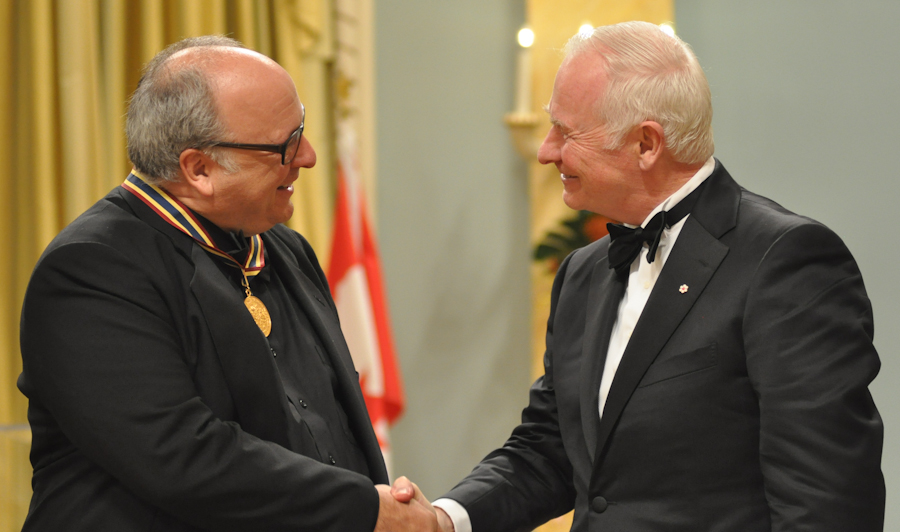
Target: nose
column 306, row 155
column 549, row 150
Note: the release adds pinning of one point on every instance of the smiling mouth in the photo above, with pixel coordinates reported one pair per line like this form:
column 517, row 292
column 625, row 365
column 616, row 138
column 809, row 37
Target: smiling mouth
column 565, row 177
column 289, row 188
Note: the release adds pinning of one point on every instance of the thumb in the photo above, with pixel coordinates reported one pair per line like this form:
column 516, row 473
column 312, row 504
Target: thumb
column 403, row 490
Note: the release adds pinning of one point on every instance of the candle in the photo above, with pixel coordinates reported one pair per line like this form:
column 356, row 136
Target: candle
column 523, row 72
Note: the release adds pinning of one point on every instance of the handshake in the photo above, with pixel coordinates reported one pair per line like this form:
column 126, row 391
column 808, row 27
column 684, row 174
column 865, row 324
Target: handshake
column 402, row 507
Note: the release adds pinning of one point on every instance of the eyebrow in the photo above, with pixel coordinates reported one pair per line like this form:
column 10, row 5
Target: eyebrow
column 553, row 120
column 558, row 123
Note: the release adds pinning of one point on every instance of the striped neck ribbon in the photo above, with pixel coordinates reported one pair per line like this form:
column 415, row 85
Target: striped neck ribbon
column 181, row 217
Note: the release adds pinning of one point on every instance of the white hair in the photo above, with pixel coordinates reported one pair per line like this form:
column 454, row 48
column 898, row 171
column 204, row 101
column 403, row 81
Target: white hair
column 651, row 75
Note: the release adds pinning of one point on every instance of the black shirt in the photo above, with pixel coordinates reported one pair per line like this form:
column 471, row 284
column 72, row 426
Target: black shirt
column 304, row 366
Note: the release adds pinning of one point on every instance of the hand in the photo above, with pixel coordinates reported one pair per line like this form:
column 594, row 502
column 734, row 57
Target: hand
column 415, row 514
column 404, row 491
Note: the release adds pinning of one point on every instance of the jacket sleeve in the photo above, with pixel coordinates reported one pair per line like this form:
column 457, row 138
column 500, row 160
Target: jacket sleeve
column 102, row 355
column 808, row 338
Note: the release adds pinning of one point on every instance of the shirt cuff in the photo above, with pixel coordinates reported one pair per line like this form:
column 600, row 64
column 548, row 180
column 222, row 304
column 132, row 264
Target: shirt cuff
column 457, row 513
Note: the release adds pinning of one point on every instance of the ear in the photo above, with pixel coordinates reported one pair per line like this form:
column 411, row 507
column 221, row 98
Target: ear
column 652, row 143
column 197, row 167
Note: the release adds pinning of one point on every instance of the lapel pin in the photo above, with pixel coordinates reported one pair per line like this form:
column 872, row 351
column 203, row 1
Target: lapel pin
column 683, row 288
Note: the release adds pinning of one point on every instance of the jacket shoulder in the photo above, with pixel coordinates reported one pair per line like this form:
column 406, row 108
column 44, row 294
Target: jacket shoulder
column 761, row 219
column 111, row 222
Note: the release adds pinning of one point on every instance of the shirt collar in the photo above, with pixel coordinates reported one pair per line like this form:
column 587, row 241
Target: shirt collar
column 691, row 185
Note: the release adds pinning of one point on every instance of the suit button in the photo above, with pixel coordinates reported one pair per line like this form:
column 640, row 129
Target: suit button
column 599, row 505
column 332, row 460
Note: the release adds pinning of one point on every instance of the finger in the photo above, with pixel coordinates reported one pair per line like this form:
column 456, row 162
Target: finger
column 421, row 499
column 403, row 490
column 419, row 496
column 396, row 516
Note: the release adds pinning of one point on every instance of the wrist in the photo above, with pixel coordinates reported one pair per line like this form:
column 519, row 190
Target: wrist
column 444, row 520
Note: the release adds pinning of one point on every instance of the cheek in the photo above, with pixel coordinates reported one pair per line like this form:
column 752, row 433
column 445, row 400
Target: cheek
column 579, row 165
column 572, row 156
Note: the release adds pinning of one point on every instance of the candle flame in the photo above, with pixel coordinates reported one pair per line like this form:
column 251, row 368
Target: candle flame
column 526, row 37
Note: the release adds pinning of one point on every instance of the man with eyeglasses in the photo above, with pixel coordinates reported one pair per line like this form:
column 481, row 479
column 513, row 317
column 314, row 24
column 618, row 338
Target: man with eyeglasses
column 182, row 356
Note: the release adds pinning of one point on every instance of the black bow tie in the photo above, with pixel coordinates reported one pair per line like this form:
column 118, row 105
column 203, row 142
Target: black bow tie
column 626, row 242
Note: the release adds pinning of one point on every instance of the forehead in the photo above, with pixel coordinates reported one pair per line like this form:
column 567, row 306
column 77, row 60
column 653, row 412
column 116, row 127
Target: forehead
column 577, row 89
column 257, row 97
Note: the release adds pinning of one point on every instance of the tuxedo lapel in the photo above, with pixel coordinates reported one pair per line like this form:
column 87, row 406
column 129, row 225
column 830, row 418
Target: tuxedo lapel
column 323, row 318
column 693, row 261
column 603, row 300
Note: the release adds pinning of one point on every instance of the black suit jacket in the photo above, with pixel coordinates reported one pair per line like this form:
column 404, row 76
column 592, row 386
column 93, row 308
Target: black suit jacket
column 741, row 402
column 153, row 397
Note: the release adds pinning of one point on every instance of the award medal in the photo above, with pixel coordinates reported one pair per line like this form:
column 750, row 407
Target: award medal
column 180, row 217
column 259, row 312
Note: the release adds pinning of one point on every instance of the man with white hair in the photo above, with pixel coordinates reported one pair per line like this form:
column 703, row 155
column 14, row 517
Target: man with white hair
column 707, row 367
column 182, row 355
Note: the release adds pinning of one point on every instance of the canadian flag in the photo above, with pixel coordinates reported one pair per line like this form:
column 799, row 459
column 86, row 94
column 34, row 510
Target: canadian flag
column 354, row 275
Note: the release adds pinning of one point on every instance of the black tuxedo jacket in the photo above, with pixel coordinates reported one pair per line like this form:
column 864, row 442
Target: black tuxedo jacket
column 154, row 401
column 741, row 403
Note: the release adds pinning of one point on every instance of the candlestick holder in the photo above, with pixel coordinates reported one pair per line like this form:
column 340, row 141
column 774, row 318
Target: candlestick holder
column 521, row 130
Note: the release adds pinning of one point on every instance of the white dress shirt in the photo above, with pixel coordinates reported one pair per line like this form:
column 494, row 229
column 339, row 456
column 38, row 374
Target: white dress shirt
column 641, row 280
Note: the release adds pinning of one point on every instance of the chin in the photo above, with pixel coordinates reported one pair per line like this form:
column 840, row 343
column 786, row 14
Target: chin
column 573, row 202
column 283, row 219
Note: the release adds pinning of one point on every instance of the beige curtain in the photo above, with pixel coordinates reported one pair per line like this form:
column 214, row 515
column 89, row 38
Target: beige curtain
column 67, row 68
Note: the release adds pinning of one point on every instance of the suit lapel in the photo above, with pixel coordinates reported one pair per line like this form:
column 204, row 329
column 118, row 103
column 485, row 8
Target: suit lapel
column 323, row 318
column 605, row 294
column 182, row 242
column 242, row 349
column 243, row 352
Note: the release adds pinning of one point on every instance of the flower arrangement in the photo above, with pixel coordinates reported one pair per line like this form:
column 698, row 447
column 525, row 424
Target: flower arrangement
column 573, row 233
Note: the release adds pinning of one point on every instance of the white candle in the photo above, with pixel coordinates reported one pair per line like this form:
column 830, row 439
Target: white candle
column 523, row 72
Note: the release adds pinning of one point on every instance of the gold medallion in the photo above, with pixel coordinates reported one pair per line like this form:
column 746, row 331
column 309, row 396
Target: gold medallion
column 260, row 314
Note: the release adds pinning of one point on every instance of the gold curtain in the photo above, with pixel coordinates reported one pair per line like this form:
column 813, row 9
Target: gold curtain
column 553, row 24
column 67, row 68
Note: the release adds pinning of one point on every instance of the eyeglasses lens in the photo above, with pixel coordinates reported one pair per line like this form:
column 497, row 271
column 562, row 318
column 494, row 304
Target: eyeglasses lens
column 293, row 146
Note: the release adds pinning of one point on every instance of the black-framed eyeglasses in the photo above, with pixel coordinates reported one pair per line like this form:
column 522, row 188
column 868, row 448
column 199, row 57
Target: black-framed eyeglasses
column 288, row 150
